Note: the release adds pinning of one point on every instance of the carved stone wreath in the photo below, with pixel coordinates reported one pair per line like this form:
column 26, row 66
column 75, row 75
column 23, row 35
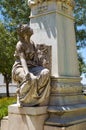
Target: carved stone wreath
column 44, row 55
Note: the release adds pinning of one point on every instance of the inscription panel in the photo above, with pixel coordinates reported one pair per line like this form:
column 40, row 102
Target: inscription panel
column 42, row 9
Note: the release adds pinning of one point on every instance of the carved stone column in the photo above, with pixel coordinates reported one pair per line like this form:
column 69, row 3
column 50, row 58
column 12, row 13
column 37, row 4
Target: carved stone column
column 53, row 25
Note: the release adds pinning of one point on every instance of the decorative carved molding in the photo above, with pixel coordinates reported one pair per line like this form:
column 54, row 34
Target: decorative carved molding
column 42, row 9
column 67, row 2
column 44, row 55
column 66, row 85
column 66, row 88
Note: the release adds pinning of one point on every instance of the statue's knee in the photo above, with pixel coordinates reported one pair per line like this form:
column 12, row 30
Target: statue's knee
column 46, row 72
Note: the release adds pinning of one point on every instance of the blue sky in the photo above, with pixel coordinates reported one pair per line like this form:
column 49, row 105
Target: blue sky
column 1, row 17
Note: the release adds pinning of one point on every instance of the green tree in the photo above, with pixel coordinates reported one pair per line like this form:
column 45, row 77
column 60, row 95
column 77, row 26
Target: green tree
column 7, row 43
column 80, row 28
column 14, row 13
column 82, row 65
column 80, row 23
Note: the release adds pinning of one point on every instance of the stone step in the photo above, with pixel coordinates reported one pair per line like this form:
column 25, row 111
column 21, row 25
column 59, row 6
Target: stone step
column 79, row 126
column 66, row 115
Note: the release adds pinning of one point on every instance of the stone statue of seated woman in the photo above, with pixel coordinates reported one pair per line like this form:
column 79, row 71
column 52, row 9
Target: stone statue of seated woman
column 31, row 75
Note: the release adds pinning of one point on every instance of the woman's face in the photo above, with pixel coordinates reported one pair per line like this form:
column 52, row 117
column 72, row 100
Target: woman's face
column 28, row 34
column 26, row 31
column 30, row 31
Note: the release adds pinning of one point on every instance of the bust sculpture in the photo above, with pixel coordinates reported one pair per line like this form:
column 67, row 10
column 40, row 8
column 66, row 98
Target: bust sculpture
column 32, row 77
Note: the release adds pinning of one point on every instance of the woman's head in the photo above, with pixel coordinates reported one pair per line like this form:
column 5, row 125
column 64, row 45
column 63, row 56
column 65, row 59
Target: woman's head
column 24, row 30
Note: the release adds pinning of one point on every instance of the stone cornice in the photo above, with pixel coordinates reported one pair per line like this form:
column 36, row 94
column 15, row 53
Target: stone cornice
column 67, row 2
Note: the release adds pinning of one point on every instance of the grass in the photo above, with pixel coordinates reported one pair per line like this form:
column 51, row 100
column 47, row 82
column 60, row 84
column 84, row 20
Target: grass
column 4, row 103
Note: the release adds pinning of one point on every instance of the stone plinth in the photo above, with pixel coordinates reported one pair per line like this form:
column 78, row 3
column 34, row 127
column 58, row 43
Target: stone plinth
column 4, row 123
column 67, row 103
column 81, row 126
column 26, row 118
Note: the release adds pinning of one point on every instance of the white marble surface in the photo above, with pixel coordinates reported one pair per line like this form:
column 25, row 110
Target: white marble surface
column 26, row 118
column 56, row 28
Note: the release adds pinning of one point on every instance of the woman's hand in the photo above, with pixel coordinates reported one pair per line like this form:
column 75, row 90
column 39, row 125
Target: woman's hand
column 27, row 77
column 30, row 76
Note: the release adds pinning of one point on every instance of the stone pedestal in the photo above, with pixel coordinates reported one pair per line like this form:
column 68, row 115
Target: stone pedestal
column 81, row 126
column 4, row 123
column 53, row 25
column 26, row 118
column 67, row 103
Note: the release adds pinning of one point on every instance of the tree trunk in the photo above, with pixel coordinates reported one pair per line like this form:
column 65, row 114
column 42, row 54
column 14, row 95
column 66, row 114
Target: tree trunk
column 7, row 86
column 7, row 89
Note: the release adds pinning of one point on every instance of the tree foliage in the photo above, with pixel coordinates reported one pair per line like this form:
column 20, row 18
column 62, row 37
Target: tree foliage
column 80, row 28
column 82, row 65
column 15, row 11
column 7, row 43
column 80, row 23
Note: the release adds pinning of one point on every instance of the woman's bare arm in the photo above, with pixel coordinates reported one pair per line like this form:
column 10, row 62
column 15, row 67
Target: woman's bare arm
column 24, row 63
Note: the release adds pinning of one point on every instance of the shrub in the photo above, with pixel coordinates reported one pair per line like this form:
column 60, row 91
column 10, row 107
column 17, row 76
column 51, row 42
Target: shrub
column 4, row 103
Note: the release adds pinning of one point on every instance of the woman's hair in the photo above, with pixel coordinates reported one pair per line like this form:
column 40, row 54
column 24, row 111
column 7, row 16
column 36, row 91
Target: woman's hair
column 23, row 29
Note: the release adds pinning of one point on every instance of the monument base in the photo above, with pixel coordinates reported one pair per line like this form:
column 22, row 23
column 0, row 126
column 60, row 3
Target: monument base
column 26, row 118
column 81, row 126
column 67, row 106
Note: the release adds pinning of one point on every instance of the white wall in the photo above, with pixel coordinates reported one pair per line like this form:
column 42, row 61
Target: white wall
column 1, row 79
